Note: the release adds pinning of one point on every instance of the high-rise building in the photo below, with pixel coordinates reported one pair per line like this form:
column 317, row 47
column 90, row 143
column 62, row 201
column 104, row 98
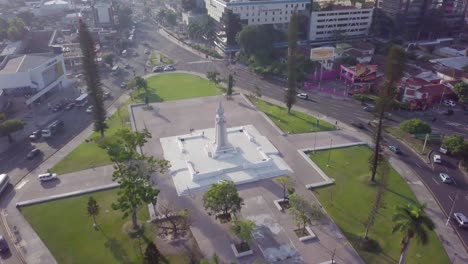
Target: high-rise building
column 413, row 15
column 103, row 14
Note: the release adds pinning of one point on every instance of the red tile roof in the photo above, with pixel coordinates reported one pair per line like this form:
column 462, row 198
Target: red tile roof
column 435, row 89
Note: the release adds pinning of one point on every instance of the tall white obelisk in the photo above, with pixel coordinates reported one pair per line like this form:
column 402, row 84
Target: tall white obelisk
column 220, row 144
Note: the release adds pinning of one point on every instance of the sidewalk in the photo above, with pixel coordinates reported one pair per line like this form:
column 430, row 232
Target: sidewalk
column 31, row 247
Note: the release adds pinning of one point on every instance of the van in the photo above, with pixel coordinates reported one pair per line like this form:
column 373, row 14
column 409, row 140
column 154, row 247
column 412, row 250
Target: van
column 437, row 159
column 47, row 176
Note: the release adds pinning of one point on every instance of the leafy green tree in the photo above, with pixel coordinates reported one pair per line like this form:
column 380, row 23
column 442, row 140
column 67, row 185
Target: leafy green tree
column 16, row 29
column 285, row 182
column 303, row 211
column 3, row 29
column 232, row 26
column 152, row 254
column 230, row 85
column 290, row 96
column 256, row 40
column 412, row 222
column 415, row 126
column 124, row 15
column 394, row 65
column 189, row 5
column 171, row 18
column 461, row 90
column 93, row 209
column 109, row 59
column 205, row 27
column 141, row 83
column 212, row 76
column 27, row 16
column 222, row 198
column 133, row 172
column 455, row 144
column 258, row 91
column 93, row 80
column 243, row 230
column 9, row 127
column 213, row 260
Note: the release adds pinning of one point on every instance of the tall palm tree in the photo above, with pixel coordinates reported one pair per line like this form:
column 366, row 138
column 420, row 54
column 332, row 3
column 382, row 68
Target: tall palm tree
column 412, row 222
column 93, row 209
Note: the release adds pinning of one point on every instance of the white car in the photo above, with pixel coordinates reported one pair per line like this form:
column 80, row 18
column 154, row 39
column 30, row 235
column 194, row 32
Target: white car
column 169, row 68
column 47, row 176
column 437, row 159
column 450, row 103
column 89, row 109
column 445, row 178
column 461, row 219
column 303, row 96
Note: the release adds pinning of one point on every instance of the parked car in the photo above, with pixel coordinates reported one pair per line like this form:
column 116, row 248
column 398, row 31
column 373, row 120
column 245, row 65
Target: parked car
column 35, row 135
column 395, row 149
column 135, row 54
column 445, row 178
column 89, row 110
column 169, row 68
column 127, row 66
column 147, row 51
column 33, row 153
column 47, row 176
column 443, row 150
column 448, row 112
column 70, row 106
column 107, row 95
column 303, row 96
column 369, row 108
column 358, row 125
column 437, row 159
column 123, row 85
column 158, row 69
column 3, row 245
column 461, row 219
column 449, row 103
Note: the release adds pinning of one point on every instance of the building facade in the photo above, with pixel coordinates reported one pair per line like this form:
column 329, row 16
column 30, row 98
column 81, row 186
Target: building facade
column 349, row 22
column 32, row 74
column 257, row 12
column 103, row 14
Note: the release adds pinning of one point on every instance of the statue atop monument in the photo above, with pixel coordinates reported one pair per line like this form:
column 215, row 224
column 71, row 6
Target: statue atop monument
column 220, row 144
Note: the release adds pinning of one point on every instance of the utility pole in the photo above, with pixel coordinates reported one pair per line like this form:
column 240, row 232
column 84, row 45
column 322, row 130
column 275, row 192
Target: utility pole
column 425, row 142
column 329, row 153
column 315, row 140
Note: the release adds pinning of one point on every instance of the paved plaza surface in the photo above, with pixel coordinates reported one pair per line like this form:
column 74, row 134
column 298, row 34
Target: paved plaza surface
column 179, row 117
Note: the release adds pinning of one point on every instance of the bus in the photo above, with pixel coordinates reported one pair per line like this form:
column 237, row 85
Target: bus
column 82, row 100
column 4, row 181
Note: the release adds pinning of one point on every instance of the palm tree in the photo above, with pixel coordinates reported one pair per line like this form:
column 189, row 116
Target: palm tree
column 243, row 230
column 93, row 209
column 412, row 222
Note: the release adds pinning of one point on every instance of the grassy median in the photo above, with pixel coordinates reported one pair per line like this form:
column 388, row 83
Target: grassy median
column 67, row 230
column 350, row 200
column 164, row 87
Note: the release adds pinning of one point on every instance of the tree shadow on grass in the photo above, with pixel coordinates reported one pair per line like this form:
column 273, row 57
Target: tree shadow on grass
column 402, row 196
column 153, row 97
column 117, row 250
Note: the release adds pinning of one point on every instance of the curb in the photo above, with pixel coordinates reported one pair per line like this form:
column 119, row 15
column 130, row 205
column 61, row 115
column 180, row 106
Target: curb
column 67, row 195
column 12, row 237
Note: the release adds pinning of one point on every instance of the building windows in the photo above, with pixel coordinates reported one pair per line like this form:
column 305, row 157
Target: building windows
column 265, row 20
column 265, row 13
column 273, row 12
column 273, row 19
column 286, row 5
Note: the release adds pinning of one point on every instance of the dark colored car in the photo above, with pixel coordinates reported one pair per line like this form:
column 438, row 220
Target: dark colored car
column 448, row 112
column 70, row 106
column 35, row 135
column 358, row 125
column 33, row 153
column 3, row 245
column 395, row 149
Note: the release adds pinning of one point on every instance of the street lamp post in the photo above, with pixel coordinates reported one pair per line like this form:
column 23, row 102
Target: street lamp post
column 451, row 209
column 315, row 141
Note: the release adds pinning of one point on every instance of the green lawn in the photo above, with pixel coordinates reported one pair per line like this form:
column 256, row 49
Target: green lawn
column 294, row 123
column 350, row 199
column 67, row 231
column 164, row 87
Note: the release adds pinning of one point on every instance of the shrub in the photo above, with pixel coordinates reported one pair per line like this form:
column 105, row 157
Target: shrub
column 415, row 126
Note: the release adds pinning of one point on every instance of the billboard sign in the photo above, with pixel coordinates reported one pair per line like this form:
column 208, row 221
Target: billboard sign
column 322, row 53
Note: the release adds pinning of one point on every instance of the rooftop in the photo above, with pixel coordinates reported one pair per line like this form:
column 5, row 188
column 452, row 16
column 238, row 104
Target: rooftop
column 455, row 62
column 26, row 62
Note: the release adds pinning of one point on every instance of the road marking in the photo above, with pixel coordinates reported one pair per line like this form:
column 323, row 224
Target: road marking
column 197, row 62
column 417, row 164
column 438, row 183
column 450, row 197
column 21, row 184
column 454, row 182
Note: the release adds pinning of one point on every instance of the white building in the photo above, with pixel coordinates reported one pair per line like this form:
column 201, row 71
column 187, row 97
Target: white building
column 32, row 74
column 257, row 12
column 54, row 7
column 348, row 21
